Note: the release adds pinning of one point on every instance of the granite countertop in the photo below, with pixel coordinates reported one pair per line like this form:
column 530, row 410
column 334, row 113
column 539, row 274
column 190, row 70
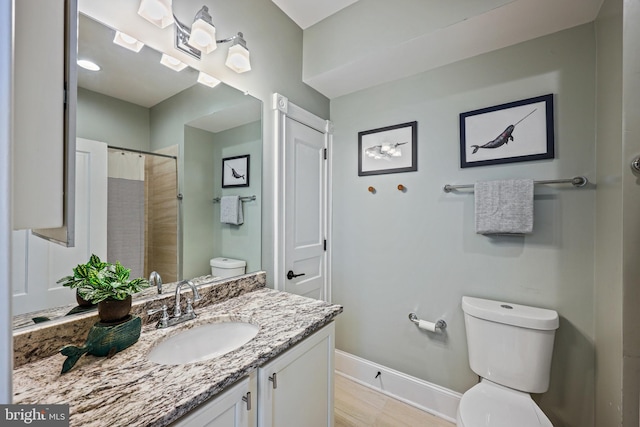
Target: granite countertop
column 128, row 390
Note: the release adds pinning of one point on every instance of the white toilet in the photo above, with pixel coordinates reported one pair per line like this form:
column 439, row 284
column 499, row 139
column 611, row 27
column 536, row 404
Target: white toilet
column 222, row 267
column 510, row 348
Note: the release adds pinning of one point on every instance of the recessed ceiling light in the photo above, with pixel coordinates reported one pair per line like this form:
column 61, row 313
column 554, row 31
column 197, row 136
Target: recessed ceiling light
column 88, row 65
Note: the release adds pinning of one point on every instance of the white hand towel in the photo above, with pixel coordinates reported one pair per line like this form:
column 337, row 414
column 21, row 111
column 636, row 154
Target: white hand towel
column 231, row 210
column 504, row 207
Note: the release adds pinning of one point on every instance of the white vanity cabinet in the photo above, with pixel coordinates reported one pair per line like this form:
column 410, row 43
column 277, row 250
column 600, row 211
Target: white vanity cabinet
column 293, row 390
column 235, row 407
column 296, row 388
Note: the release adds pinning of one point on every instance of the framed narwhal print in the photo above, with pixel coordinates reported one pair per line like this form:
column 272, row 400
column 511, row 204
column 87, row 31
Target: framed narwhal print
column 518, row 131
column 235, row 171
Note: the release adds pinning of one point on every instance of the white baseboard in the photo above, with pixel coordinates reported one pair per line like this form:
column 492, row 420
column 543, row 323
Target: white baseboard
column 424, row 395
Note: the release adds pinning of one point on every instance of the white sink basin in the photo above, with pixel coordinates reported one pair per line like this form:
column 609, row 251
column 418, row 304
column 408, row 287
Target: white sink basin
column 203, row 342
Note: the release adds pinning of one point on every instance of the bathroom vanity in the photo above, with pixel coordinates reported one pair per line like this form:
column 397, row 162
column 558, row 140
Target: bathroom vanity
column 294, row 389
column 283, row 376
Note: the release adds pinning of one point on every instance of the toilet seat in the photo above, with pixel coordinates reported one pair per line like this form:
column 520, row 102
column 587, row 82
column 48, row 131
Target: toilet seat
column 489, row 404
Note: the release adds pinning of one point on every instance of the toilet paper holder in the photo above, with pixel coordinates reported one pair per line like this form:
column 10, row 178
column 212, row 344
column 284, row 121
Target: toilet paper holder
column 438, row 326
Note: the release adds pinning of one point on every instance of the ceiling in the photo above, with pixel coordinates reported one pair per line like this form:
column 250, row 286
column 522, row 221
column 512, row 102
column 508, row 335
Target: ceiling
column 341, row 57
column 406, row 37
column 305, row 13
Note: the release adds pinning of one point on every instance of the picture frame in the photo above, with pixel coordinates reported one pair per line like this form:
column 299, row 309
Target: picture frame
column 391, row 149
column 518, row 131
column 235, row 171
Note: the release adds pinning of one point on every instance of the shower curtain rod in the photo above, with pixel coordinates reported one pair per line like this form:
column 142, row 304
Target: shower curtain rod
column 142, row 152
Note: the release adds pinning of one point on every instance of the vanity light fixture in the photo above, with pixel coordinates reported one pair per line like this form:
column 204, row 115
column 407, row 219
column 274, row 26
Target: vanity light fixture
column 207, row 80
column 127, row 42
column 200, row 37
column 203, row 32
column 238, row 55
column 173, row 63
column 158, row 12
column 88, row 65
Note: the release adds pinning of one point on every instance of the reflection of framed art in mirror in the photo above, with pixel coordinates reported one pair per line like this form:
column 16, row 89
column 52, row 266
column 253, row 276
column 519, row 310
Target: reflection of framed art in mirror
column 235, row 171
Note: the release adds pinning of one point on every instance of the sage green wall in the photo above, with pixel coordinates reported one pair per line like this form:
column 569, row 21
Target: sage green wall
column 204, row 236
column 396, row 252
column 609, row 227
column 239, row 241
column 197, row 204
column 111, row 120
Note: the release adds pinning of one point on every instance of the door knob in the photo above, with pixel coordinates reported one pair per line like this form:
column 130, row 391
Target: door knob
column 291, row 275
column 635, row 164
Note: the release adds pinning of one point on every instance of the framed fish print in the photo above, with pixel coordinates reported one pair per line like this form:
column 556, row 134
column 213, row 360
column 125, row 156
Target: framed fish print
column 390, row 149
column 235, row 171
column 519, row 131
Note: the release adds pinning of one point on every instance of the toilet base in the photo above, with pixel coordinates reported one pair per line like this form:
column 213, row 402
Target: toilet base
column 488, row 404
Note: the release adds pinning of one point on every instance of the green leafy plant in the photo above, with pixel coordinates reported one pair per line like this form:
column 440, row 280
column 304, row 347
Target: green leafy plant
column 97, row 281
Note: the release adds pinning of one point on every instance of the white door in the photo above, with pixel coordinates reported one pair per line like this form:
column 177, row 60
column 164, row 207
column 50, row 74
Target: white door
column 37, row 263
column 305, row 211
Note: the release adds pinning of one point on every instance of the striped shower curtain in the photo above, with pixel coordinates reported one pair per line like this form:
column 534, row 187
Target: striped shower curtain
column 125, row 212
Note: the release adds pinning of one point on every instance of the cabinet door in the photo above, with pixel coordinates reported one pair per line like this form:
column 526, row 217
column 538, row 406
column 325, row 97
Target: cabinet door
column 296, row 388
column 233, row 408
column 43, row 154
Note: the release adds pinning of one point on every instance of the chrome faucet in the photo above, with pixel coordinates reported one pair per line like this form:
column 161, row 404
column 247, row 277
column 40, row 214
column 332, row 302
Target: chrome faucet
column 178, row 317
column 177, row 312
column 156, row 280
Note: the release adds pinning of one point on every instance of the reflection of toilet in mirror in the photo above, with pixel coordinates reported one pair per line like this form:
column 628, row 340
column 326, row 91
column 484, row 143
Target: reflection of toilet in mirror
column 510, row 348
column 222, row 267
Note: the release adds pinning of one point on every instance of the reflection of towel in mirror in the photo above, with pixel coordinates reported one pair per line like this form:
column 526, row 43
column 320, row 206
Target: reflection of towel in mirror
column 231, row 210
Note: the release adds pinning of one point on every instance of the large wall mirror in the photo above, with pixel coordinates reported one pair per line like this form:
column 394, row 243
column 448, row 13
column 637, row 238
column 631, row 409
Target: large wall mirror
column 165, row 137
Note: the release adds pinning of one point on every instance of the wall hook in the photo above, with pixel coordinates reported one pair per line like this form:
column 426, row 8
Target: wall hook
column 371, row 190
column 402, row 188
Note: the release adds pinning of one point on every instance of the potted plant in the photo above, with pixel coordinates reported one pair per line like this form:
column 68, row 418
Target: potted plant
column 107, row 285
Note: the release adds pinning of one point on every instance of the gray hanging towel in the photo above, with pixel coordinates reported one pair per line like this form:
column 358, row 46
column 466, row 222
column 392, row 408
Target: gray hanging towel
column 231, row 210
column 504, row 207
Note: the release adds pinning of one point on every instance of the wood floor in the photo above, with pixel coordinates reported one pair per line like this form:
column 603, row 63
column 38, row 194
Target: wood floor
column 359, row 406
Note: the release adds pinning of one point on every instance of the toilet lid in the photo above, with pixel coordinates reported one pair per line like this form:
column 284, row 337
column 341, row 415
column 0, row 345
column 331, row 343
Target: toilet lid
column 492, row 405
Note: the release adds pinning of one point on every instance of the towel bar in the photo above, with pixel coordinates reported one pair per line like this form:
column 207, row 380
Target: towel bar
column 242, row 199
column 578, row 181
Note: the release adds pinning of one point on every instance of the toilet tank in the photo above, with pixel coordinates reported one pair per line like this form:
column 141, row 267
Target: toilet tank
column 510, row 344
column 222, row 267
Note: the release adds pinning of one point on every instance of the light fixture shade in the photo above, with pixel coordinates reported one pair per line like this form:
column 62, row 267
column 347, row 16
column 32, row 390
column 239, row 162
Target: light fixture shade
column 158, row 12
column 207, row 80
column 238, row 59
column 173, row 63
column 127, row 42
column 203, row 32
column 238, row 56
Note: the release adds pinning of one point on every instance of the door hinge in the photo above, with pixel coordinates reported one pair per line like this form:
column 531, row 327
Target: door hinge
column 325, row 154
column 325, row 245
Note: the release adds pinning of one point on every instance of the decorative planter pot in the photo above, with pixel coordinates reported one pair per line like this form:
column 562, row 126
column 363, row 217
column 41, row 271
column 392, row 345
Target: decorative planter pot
column 82, row 302
column 112, row 310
